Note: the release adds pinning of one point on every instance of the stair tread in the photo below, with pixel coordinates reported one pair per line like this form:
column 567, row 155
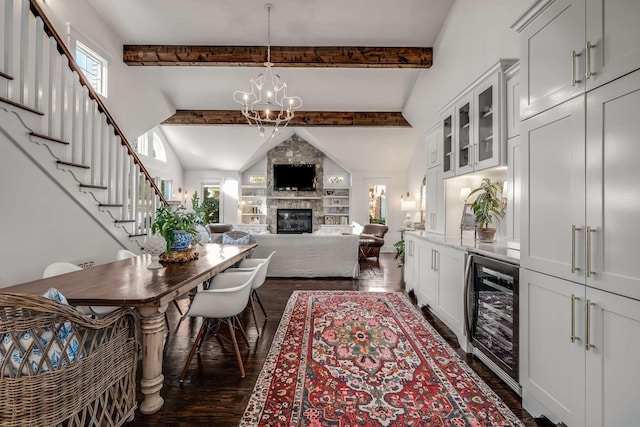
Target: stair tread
column 6, row 76
column 49, row 138
column 99, row 187
column 109, row 205
column 124, row 220
column 77, row 165
column 24, row 107
column 138, row 235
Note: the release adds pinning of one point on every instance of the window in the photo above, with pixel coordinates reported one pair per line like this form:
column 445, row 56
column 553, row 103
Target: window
column 211, row 202
column 377, row 204
column 166, row 187
column 150, row 144
column 93, row 66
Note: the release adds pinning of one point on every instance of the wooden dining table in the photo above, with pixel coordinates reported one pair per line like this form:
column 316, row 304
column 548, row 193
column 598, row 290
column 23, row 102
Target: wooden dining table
column 130, row 283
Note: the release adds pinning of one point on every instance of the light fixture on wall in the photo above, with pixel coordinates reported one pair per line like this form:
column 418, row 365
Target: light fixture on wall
column 408, row 205
column 267, row 105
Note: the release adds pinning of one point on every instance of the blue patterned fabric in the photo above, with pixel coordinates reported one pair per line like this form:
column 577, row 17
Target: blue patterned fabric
column 34, row 349
column 227, row 240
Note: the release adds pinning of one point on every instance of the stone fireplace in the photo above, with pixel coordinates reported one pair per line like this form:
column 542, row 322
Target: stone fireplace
column 294, row 221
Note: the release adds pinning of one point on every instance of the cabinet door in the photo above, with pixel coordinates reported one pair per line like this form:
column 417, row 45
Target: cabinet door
column 434, row 143
column 613, row 31
column 613, row 193
column 409, row 262
column 612, row 362
column 448, row 146
column 449, row 266
column 435, row 219
column 513, row 101
column 552, row 363
column 553, row 198
column 487, row 123
column 464, row 134
column 550, row 73
column 425, row 270
column 514, row 188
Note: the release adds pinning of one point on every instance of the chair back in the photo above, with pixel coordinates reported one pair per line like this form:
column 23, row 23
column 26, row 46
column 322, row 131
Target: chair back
column 377, row 230
column 125, row 254
column 203, row 234
column 263, row 268
column 58, row 268
column 227, row 296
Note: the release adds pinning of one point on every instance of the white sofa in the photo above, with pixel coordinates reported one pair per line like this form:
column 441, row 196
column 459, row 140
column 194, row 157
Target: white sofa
column 309, row 255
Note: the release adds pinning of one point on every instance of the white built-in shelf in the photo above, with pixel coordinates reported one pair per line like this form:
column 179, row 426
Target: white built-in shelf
column 296, row 197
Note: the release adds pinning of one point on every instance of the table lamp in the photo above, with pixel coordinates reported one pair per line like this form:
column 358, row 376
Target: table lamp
column 408, row 205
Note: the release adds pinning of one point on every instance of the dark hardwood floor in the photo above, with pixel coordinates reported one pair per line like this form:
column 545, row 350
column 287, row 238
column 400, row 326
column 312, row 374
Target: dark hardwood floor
column 214, row 394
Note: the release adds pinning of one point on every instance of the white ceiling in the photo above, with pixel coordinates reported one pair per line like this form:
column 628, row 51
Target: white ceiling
column 293, row 22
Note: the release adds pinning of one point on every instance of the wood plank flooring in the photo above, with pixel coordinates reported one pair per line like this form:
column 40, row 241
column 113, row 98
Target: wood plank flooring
column 214, row 394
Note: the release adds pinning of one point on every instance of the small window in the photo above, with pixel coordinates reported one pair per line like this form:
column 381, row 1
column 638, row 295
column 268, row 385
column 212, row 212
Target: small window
column 157, row 151
column 257, row 179
column 150, row 144
column 93, row 66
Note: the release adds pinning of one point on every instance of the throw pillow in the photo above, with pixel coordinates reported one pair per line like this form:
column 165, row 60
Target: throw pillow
column 34, row 350
column 228, row 240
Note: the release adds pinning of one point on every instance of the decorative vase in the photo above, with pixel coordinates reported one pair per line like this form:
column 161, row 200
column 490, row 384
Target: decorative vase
column 182, row 240
column 486, row 235
column 154, row 246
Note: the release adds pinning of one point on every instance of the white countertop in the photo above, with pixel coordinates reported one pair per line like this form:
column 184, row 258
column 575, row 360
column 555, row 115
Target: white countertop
column 497, row 249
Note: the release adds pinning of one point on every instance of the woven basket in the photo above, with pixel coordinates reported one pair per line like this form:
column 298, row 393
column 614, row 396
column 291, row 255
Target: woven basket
column 96, row 388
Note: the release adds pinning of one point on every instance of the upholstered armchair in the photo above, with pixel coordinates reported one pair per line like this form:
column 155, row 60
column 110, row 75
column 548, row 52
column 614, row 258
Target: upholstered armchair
column 372, row 239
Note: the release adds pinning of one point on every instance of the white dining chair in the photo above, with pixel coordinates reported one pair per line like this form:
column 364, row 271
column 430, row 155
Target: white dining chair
column 58, row 268
column 226, row 297
column 261, row 276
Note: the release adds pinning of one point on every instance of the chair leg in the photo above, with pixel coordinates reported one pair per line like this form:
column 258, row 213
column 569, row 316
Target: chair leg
column 235, row 347
column 241, row 329
column 255, row 294
column 178, row 307
column 253, row 312
column 193, row 349
column 205, row 322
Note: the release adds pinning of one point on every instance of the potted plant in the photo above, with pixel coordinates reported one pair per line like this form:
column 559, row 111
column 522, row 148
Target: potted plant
column 398, row 248
column 487, row 205
column 176, row 226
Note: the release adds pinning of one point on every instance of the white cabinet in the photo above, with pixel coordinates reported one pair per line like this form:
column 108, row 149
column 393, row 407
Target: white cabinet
column 569, row 46
column 409, row 262
column 434, row 141
column 513, row 101
column 435, row 201
column 474, row 125
column 335, row 205
column 439, row 283
column 514, row 191
column 578, row 352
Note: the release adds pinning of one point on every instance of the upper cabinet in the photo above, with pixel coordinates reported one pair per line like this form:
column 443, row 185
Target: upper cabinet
column 474, row 125
column 433, row 140
column 572, row 46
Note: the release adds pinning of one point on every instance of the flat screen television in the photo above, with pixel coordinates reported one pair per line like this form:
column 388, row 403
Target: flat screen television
column 300, row 177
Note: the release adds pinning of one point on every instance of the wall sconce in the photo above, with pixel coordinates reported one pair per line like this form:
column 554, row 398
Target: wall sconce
column 408, row 205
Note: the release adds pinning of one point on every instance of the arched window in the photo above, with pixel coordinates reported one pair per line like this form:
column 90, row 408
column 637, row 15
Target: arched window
column 150, row 144
column 158, row 151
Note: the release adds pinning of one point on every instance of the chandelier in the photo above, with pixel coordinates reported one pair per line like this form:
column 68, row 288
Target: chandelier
column 267, row 105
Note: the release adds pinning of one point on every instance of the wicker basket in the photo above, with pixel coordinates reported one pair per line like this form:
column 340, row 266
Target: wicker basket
column 96, row 388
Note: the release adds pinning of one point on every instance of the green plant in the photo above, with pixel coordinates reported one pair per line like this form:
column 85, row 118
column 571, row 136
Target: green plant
column 198, row 209
column 488, row 204
column 167, row 221
column 399, row 251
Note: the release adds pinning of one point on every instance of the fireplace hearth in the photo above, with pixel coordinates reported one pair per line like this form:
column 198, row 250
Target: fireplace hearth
column 294, row 221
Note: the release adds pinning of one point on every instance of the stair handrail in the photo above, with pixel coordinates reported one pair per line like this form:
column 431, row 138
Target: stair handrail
column 63, row 50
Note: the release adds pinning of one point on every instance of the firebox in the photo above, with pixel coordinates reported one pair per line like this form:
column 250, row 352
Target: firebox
column 294, row 221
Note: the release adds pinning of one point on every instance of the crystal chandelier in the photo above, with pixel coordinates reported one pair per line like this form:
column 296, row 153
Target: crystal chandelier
column 267, row 105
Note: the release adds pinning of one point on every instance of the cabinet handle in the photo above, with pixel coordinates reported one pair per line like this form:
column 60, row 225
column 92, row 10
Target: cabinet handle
column 573, row 318
column 433, row 256
column 573, row 248
column 587, row 344
column 589, row 74
column 436, row 255
column 574, row 55
column 590, row 230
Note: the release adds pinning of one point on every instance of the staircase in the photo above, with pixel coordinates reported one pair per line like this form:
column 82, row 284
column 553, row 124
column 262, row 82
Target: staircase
column 51, row 113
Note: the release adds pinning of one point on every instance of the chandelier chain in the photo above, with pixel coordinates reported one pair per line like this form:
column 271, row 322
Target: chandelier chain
column 269, row 6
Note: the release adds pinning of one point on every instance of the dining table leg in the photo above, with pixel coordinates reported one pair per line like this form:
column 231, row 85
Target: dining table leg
column 153, row 327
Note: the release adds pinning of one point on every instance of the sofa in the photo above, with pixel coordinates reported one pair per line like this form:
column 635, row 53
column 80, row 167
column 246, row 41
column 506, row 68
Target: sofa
column 309, row 255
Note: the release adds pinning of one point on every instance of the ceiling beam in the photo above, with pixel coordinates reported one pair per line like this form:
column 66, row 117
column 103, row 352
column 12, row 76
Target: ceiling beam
column 302, row 118
column 281, row 56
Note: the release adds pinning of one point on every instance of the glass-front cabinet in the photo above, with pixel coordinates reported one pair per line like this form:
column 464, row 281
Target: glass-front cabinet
column 473, row 122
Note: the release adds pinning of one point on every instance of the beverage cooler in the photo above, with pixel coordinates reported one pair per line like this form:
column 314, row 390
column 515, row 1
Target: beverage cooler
column 491, row 312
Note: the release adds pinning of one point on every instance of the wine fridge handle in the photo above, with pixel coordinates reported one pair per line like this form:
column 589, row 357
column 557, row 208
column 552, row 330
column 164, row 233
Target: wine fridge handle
column 467, row 297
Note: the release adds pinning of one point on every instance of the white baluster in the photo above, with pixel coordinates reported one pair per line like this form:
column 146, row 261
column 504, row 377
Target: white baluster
column 21, row 77
column 55, row 91
column 113, row 166
column 85, row 113
column 40, row 66
column 96, row 142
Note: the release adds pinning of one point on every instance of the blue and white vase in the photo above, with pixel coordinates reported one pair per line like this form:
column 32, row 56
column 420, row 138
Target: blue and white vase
column 182, row 240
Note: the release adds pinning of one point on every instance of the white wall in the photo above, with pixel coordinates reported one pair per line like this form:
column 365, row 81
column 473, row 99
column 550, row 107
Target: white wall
column 170, row 170
column 229, row 181
column 475, row 35
column 135, row 105
column 41, row 224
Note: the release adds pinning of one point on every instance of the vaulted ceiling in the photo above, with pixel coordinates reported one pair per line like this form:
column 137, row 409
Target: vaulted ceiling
column 191, row 50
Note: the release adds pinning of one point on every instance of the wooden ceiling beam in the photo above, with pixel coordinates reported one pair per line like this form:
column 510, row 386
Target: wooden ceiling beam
column 281, row 56
column 302, row 118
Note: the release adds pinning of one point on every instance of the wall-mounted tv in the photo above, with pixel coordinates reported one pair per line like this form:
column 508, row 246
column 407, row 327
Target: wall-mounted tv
column 300, row 177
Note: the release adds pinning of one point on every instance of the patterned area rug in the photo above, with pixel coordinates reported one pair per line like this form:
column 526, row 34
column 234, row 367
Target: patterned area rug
column 366, row 359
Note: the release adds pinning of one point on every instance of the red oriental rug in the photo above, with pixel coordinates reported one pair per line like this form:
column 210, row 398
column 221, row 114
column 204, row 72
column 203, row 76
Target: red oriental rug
column 366, row 359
